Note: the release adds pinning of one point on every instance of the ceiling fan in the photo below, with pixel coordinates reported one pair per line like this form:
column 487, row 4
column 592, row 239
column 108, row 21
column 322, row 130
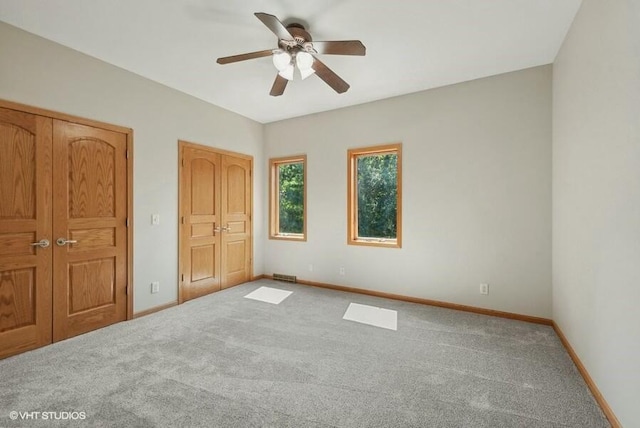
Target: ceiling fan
column 297, row 50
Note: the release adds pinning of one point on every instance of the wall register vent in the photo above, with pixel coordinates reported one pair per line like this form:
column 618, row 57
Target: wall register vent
column 285, row 278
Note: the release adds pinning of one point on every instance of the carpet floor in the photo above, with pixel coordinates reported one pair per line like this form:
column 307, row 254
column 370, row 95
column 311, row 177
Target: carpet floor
column 226, row 361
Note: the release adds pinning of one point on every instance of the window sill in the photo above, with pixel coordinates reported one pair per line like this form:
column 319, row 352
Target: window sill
column 372, row 242
column 288, row 237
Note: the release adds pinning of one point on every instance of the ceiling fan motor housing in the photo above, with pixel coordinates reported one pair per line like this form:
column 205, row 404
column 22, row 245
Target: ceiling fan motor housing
column 299, row 33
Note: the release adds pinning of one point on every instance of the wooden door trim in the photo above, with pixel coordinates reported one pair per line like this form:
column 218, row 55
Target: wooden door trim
column 63, row 116
column 107, row 126
column 129, row 224
column 196, row 146
column 182, row 144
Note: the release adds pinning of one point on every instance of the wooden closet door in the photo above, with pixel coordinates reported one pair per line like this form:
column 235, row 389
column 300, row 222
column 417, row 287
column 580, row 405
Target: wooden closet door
column 200, row 223
column 25, row 218
column 90, row 210
column 236, row 217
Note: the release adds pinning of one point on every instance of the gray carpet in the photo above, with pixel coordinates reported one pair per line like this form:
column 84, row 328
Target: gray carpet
column 226, row 361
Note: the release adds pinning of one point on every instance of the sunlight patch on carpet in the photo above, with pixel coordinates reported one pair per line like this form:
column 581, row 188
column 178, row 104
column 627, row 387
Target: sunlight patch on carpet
column 268, row 295
column 372, row 315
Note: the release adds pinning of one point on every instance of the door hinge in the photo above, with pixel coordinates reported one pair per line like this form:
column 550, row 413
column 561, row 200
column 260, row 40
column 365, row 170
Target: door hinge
column 127, row 154
column 182, row 161
column 182, row 277
column 126, row 222
column 182, row 220
column 126, row 290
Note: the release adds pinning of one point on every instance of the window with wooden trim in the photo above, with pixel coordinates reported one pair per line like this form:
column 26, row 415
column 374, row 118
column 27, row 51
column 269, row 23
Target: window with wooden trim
column 288, row 198
column 374, row 206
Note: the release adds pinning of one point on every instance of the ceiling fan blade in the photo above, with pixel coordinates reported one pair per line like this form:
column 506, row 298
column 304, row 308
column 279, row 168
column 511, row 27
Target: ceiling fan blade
column 243, row 57
column 343, row 47
column 274, row 25
column 329, row 77
column 278, row 86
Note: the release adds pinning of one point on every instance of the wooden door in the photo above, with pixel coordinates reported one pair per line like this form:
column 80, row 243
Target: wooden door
column 215, row 220
column 89, row 228
column 200, row 223
column 236, row 218
column 25, row 218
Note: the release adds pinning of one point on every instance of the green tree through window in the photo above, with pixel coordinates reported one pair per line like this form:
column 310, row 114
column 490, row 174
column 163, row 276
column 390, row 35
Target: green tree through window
column 374, row 210
column 291, row 195
column 377, row 196
column 287, row 190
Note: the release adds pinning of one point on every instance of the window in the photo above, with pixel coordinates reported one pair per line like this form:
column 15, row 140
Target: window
column 374, row 206
column 287, row 198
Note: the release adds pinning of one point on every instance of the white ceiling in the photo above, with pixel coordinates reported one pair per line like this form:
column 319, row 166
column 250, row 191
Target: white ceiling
column 412, row 45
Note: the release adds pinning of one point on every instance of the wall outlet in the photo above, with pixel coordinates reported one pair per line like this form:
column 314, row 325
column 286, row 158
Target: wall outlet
column 342, row 271
column 155, row 219
column 484, row 288
column 155, row 287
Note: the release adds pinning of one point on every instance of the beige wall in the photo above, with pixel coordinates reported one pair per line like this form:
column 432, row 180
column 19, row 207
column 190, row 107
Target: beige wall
column 41, row 73
column 596, row 197
column 477, row 182
column 476, row 196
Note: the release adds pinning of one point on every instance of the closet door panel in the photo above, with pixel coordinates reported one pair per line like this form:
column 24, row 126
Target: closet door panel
column 236, row 211
column 25, row 221
column 90, row 210
column 200, row 224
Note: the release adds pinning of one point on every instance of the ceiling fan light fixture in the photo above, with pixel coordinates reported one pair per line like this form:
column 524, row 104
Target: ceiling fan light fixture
column 304, row 61
column 304, row 73
column 281, row 60
column 287, row 72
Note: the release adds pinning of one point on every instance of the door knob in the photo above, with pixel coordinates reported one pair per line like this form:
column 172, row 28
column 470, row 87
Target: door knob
column 43, row 243
column 62, row 242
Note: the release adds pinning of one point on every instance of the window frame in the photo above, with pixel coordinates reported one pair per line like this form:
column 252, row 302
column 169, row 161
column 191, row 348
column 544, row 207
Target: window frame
column 274, row 198
column 352, row 196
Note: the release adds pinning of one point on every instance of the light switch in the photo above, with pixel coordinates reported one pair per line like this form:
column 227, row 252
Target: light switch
column 155, row 219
